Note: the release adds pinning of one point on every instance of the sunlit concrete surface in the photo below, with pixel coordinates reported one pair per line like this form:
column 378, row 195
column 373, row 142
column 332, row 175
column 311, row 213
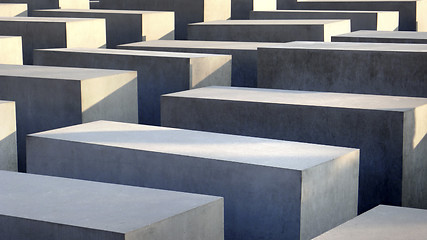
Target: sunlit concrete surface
column 13, row 9
column 382, row 37
column 11, row 50
column 240, row 9
column 47, row 4
column 8, row 148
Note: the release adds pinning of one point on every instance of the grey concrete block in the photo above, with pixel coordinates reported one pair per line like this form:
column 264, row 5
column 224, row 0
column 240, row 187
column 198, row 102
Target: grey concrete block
column 40, row 32
column 123, row 26
column 36, row 207
column 186, row 11
column 13, row 10
column 8, row 148
column 412, row 13
column 382, row 222
column 11, row 50
column 389, row 131
column 382, row 37
column 360, row 20
column 272, row 189
column 244, row 64
column 240, row 9
column 51, row 4
column 52, row 97
column 370, row 68
column 268, row 30
column 158, row 72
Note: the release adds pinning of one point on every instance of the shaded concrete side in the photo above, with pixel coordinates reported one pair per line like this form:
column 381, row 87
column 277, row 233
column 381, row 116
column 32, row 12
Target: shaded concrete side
column 210, row 71
column 343, row 38
column 8, row 148
column 11, row 50
column 13, row 10
column 90, row 33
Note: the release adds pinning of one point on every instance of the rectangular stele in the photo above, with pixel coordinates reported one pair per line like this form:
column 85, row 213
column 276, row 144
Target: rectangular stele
column 38, row 207
column 13, row 10
column 360, row 20
column 52, row 97
column 123, row 26
column 383, row 37
column 39, row 32
column 368, row 68
column 268, row 30
column 244, row 54
column 158, row 72
column 389, row 131
column 272, row 189
column 412, row 13
column 53, row 4
column 8, row 148
column 11, row 50
column 382, row 222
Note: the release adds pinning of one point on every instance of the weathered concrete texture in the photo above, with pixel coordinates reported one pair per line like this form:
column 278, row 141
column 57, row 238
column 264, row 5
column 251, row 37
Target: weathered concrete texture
column 158, row 72
column 382, row 222
column 51, row 4
column 124, row 26
column 49, row 208
column 244, row 64
column 389, row 131
column 272, row 189
column 382, row 37
column 186, row 11
column 412, row 13
column 360, row 20
column 13, row 10
column 371, row 68
column 40, row 32
column 240, row 9
column 268, row 30
column 52, row 97
column 8, row 148
column 11, row 50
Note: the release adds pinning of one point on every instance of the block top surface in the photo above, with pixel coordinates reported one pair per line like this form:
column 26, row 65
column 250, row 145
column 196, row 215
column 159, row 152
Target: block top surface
column 103, row 11
column 382, row 222
column 63, row 73
column 305, row 98
column 109, row 207
column 229, row 148
column 141, row 53
column 365, row 1
column 386, row 34
column 45, row 19
column 271, row 22
column 353, row 46
column 320, row 11
column 199, row 44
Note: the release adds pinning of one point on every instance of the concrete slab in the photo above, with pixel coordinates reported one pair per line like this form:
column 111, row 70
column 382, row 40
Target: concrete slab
column 255, row 176
column 268, row 30
column 8, row 148
column 382, row 222
column 51, row 4
column 186, row 11
column 11, row 50
column 47, row 208
column 13, row 10
column 369, row 68
column 123, row 26
column 412, row 15
column 40, row 32
column 244, row 64
column 390, row 131
column 52, row 97
column 240, row 9
column 382, row 37
column 158, row 72
column 360, row 20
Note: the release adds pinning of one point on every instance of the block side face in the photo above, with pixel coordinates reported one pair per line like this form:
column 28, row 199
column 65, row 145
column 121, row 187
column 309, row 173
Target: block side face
column 210, row 71
column 73, row 4
column 240, row 9
column 414, row 187
column 421, row 16
column 336, row 28
column 113, row 98
column 159, row 26
column 90, row 33
column 8, row 147
column 326, row 204
column 388, row 21
column 13, row 10
column 11, row 50
column 216, row 10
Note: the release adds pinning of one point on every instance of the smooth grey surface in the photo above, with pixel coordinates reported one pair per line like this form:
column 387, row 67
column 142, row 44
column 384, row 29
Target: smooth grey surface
column 368, row 68
column 186, row 11
column 37, row 207
column 123, row 26
column 268, row 30
column 255, row 176
column 13, row 10
column 412, row 15
column 240, row 9
column 382, row 222
column 11, row 50
column 52, row 97
column 158, row 72
column 360, row 20
column 38, row 32
column 389, row 131
column 382, row 37
column 8, row 148
column 46, row 4
column 244, row 63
